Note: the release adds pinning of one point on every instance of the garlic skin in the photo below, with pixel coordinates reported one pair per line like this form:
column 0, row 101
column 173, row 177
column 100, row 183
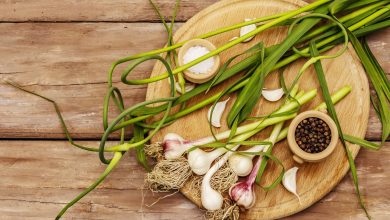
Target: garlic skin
column 273, row 95
column 246, row 29
column 290, row 181
column 173, row 146
column 187, row 86
column 217, row 113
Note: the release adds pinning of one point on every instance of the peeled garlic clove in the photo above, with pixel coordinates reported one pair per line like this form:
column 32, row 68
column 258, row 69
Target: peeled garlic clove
column 290, row 181
column 187, row 86
column 246, row 29
column 217, row 113
column 273, row 95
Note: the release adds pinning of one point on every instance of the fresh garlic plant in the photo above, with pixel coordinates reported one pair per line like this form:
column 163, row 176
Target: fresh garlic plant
column 243, row 192
column 242, row 163
column 212, row 199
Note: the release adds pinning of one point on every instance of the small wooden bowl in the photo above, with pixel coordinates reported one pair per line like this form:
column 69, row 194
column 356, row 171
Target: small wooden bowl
column 193, row 77
column 301, row 156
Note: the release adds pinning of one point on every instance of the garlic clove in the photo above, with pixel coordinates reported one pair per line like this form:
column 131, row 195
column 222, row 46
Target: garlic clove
column 290, row 181
column 217, row 113
column 273, row 95
column 187, row 86
column 246, row 29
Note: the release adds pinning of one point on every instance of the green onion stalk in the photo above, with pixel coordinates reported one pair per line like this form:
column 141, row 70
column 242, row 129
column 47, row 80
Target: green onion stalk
column 358, row 19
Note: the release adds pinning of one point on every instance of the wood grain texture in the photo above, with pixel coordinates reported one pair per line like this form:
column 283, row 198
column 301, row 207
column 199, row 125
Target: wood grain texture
column 89, row 10
column 68, row 62
column 37, row 178
column 316, row 179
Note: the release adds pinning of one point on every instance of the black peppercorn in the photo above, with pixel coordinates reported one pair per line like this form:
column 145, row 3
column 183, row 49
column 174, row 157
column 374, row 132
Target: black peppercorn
column 312, row 135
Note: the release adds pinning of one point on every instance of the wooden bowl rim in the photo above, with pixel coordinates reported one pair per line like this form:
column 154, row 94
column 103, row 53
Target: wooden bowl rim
column 312, row 157
column 199, row 78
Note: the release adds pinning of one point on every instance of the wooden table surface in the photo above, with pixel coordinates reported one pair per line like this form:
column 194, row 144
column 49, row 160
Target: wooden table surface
column 63, row 50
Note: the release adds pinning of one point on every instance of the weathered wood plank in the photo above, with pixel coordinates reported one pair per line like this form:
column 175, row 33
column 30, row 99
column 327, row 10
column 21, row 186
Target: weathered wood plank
column 68, row 62
column 37, row 178
column 103, row 10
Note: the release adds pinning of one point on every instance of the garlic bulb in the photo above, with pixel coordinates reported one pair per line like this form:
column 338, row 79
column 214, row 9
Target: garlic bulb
column 187, row 86
column 243, row 192
column 242, row 164
column 290, row 181
column 246, row 29
column 173, row 146
column 217, row 113
column 273, row 95
column 200, row 161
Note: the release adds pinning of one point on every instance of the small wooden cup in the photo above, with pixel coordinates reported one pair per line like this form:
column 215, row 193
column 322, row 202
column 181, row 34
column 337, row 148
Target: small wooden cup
column 193, row 77
column 301, row 156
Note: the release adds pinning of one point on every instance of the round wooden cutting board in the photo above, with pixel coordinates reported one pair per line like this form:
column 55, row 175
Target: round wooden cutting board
column 314, row 181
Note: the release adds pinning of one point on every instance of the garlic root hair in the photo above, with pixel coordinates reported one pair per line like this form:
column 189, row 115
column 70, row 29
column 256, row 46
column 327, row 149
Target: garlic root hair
column 168, row 175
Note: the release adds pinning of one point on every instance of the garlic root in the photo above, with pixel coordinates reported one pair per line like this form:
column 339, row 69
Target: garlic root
column 168, row 175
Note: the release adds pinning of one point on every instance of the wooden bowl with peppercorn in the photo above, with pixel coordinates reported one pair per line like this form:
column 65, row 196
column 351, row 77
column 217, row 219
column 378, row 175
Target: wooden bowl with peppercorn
column 312, row 136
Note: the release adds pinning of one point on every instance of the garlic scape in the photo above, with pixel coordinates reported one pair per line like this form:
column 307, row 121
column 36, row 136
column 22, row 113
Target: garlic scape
column 217, row 113
column 290, row 181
